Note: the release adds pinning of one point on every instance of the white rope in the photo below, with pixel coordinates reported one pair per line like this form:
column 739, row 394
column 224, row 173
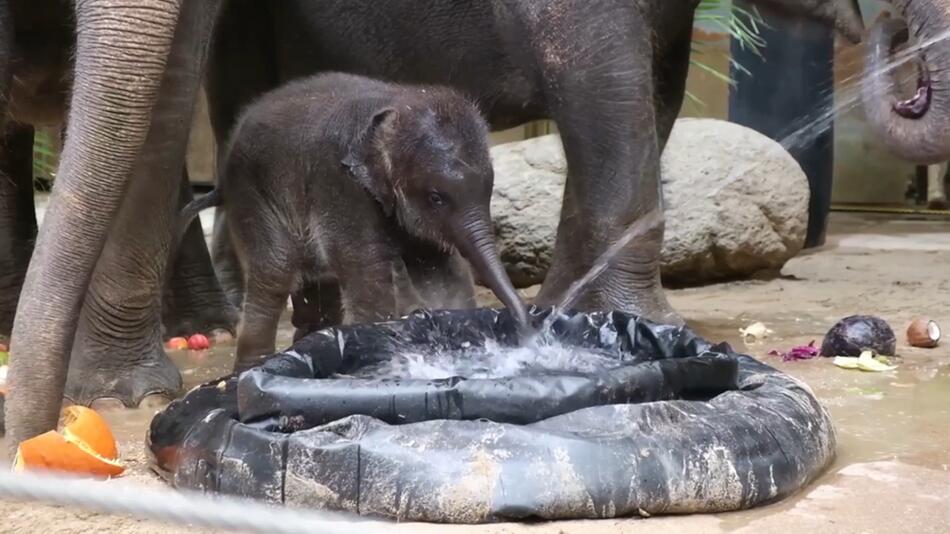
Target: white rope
column 185, row 508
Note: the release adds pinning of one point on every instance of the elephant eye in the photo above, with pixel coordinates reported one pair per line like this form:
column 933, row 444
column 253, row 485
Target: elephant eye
column 435, row 199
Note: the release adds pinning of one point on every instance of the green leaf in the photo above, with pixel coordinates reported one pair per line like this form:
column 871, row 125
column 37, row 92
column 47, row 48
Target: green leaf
column 712, row 71
column 695, row 99
column 740, row 24
column 45, row 156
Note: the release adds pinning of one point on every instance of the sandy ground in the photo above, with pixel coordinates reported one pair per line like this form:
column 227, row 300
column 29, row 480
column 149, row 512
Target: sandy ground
column 892, row 472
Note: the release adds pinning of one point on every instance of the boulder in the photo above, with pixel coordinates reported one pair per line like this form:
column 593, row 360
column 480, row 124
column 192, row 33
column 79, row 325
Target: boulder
column 736, row 203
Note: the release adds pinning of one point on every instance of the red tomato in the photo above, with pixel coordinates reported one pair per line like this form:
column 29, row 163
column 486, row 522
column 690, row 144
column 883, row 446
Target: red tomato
column 198, row 342
column 177, row 343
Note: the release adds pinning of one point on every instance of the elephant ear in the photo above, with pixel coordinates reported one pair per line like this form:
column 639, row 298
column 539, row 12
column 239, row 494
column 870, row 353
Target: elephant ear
column 368, row 158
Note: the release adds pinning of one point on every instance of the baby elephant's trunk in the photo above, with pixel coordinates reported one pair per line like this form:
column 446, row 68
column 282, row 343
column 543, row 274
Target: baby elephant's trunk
column 475, row 240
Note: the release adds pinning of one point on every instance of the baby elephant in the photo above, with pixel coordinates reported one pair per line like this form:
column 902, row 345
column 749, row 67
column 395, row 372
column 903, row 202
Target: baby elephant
column 364, row 189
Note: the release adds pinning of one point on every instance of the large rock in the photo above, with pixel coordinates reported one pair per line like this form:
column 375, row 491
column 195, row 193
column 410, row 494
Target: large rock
column 736, row 203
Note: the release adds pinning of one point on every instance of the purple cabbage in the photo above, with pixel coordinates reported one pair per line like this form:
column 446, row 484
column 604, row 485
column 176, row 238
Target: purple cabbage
column 801, row 352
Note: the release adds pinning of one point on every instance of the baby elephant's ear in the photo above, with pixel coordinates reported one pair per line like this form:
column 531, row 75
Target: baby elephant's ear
column 368, row 159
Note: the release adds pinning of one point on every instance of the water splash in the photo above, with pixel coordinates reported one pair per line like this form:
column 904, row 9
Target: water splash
column 847, row 96
column 805, row 130
column 801, row 132
column 639, row 228
column 543, row 336
column 491, row 360
column 540, row 352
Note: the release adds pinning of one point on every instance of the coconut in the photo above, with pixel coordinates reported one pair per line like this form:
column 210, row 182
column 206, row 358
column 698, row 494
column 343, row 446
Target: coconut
column 923, row 333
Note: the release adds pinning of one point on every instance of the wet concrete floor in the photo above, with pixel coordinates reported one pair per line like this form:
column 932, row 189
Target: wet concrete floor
column 892, row 472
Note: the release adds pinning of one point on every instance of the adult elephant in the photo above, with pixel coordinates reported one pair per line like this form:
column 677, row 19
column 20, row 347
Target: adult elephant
column 36, row 74
column 611, row 73
column 91, row 299
column 915, row 127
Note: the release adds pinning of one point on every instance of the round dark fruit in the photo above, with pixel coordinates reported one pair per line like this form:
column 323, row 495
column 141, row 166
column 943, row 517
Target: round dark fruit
column 853, row 335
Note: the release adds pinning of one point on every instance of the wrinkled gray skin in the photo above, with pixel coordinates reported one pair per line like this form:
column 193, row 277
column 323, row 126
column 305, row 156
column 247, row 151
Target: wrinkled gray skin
column 611, row 74
column 914, row 126
column 35, row 59
column 91, row 299
column 364, row 189
column 614, row 93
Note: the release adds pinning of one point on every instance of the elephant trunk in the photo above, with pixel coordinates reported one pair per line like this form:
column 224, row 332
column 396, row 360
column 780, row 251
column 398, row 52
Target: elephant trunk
column 474, row 238
column 845, row 15
column 916, row 128
column 848, row 19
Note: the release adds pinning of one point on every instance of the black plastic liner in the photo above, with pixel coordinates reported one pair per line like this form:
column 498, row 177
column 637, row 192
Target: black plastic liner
column 674, row 425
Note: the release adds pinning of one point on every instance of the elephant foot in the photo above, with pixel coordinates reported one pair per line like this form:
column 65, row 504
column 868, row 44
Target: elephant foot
column 220, row 336
column 200, row 307
column 153, row 401
column 630, row 283
column 938, row 204
column 193, row 300
column 109, row 376
column 648, row 302
column 219, row 324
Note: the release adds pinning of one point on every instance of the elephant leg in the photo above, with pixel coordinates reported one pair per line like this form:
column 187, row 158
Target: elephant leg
column 242, row 66
column 317, row 305
column 118, row 352
column 671, row 68
column 193, row 299
column 17, row 217
column 603, row 103
column 442, row 281
column 369, row 281
column 226, row 262
column 122, row 50
column 267, row 262
column 266, row 299
column 936, row 186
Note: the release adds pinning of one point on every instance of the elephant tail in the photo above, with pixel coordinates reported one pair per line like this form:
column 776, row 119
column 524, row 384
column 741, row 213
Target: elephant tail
column 196, row 206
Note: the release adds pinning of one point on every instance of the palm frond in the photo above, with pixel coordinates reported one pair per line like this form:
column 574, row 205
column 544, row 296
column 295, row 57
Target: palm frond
column 739, row 23
column 45, row 157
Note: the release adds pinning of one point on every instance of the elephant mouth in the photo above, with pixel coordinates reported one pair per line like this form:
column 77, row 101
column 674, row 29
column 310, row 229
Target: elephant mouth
column 906, row 47
column 918, row 105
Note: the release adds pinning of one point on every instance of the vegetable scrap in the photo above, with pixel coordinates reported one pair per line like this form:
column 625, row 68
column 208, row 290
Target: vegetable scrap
column 923, row 333
column 800, row 352
column 755, row 332
column 193, row 342
column 852, row 335
column 867, row 361
column 176, row 343
column 85, row 446
column 198, row 342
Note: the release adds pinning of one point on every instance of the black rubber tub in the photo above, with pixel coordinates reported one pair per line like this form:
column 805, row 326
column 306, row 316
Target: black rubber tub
column 628, row 417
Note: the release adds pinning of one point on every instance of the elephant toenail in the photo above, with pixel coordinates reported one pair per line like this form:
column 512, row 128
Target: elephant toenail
column 107, row 404
column 221, row 336
column 154, row 401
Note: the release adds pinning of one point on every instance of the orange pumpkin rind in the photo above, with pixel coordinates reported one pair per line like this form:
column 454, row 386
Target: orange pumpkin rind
column 87, row 428
column 85, row 446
